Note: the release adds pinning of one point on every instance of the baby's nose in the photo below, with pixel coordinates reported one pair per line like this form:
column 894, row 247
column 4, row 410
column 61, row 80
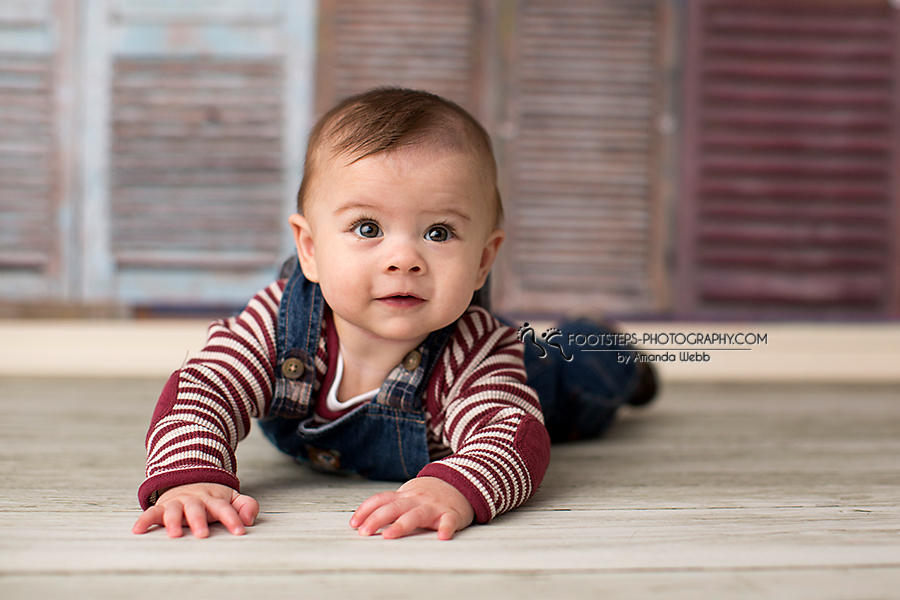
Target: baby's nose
column 405, row 259
column 412, row 269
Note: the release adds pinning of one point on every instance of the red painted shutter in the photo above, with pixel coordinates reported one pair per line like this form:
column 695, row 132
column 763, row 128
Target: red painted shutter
column 790, row 195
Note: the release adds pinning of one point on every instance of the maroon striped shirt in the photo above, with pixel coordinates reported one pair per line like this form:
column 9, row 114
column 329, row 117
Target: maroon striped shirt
column 485, row 429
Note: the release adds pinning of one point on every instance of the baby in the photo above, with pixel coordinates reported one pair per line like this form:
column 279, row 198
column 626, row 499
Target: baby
column 371, row 357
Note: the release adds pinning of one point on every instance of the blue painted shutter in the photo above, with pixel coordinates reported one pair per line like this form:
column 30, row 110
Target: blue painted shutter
column 197, row 193
column 35, row 150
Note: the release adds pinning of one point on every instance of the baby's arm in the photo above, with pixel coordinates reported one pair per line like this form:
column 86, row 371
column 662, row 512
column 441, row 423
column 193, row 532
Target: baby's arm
column 196, row 505
column 425, row 502
column 491, row 421
column 204, row 410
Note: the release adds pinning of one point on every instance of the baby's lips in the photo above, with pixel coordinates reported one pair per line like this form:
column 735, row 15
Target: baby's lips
column 401, row 300
column 401, row 295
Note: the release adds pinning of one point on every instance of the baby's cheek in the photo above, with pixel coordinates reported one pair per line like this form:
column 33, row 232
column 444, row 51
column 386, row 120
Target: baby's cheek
column 460, row 305
column 334, row 293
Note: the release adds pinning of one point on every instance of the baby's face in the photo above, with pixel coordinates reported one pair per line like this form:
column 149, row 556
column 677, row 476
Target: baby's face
column 398, row 241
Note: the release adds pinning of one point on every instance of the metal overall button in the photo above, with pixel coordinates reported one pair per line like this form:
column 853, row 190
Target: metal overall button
column 411, row 361
column 293, row 368
column 324, row 460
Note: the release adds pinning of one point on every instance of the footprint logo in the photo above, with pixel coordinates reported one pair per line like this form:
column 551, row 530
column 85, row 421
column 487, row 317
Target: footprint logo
column 549, row 335
column 526, row 330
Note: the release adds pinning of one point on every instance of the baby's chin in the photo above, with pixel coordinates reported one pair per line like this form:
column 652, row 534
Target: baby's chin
column 402, row 334
column 406, row 332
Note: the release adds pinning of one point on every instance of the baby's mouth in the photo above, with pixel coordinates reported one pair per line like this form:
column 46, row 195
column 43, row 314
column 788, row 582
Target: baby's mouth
column 401, row 300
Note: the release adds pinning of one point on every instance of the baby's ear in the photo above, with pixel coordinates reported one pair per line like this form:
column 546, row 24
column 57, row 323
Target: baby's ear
column 306, row 250
column 488, row 254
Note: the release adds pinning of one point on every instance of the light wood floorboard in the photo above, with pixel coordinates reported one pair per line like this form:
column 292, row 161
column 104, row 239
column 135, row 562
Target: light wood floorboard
column 731, row 491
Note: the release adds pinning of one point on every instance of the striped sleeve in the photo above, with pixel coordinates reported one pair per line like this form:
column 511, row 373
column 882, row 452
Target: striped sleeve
column 206, row 407
column 484, row 411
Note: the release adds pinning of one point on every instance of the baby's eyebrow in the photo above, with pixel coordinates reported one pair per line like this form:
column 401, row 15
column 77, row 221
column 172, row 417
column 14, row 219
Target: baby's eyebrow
column 353, row 206
column 439, row 212
column 452, row 211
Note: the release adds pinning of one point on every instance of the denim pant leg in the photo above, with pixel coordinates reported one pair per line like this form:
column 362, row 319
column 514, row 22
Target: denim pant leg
column 580, row 396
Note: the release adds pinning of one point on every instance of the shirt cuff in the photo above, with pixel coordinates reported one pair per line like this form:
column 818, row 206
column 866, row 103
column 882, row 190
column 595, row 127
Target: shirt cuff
column 150, row 489
column 463, row 485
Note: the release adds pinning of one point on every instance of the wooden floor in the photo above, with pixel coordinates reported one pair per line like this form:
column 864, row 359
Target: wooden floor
column 730, row 492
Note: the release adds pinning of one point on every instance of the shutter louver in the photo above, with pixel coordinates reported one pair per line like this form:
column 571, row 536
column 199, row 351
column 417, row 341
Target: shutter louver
column 581, row 157
column 36, row 220
column 430, row 46
column 196, row 163
column 789, row 170
column 27, row 157
column 204, row 130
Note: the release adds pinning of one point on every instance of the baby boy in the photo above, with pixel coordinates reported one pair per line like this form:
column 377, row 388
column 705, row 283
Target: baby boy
column 371, row 357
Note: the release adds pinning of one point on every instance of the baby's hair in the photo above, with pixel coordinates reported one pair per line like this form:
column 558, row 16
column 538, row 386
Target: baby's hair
column 389, row 119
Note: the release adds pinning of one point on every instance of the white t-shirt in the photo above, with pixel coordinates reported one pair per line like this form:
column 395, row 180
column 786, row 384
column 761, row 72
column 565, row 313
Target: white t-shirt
column 331, row 400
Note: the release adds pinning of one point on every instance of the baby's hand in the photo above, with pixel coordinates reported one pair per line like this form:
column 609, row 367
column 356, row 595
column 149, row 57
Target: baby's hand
column 196, row 505
column 421, row 502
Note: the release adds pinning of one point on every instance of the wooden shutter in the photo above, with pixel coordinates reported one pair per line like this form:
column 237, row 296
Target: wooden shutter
column 790, row 188
column 197, row 192
column 581, row 157
column 35, row 159
column 575, row 83
column 430, row 45
column 196, row 162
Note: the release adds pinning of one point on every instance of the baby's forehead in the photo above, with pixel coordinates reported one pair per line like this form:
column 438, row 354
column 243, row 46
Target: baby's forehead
column 337, row 167
column 410, row 158
column 418, row 152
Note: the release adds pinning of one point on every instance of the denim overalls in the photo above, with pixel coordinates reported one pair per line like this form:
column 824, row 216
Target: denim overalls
column 387, row 437
column 580, row 397
column 382, row 439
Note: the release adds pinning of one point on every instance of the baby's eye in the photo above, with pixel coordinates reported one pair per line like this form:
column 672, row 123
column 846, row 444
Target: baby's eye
column 438, row 233
column 367, row 229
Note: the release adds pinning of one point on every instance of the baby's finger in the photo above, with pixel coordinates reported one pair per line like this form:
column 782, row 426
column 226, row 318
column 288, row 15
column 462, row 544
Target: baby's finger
column 195, row 515
column 385, row 515
column 409, row 521
column 222, row 511
column 247, row 508
column 173, row 518
column 369, row 506
column 150, row 517
column 450, row 523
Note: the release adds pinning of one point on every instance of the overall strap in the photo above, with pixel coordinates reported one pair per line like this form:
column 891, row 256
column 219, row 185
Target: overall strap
column 406, row 385
column 297, row 335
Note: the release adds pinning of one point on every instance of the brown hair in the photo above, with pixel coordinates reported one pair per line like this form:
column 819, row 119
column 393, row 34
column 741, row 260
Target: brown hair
column 388, row 119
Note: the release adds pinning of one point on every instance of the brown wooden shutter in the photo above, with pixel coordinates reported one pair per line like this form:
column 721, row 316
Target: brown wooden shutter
column 431, row 45
column 575, row 83
column 790, row 187
column 582, row 215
